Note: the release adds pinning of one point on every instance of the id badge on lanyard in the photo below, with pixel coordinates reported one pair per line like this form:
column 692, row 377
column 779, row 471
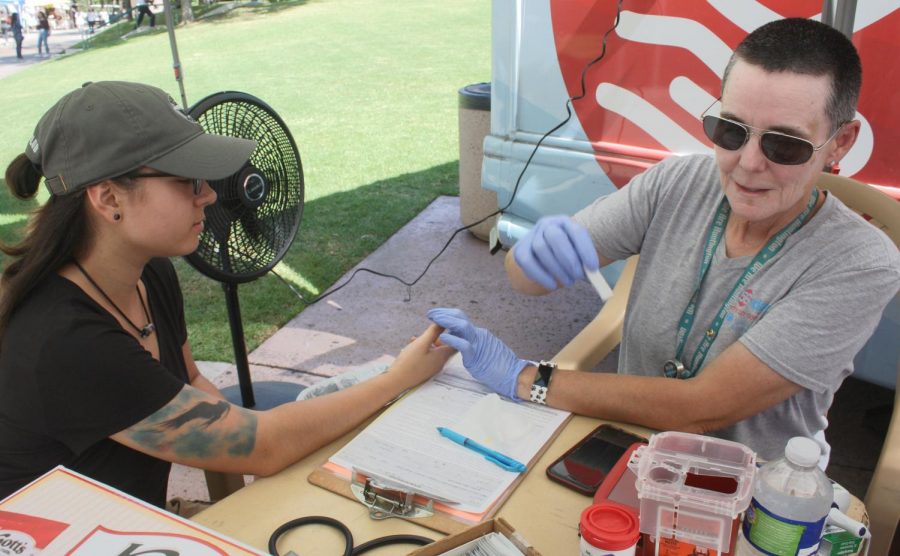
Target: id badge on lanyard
column 676, row 368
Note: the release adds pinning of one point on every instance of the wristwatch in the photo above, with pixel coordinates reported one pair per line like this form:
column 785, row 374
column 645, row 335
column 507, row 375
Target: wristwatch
column 542, row 382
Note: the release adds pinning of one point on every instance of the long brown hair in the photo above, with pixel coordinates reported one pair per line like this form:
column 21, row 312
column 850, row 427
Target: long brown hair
column 55, row 232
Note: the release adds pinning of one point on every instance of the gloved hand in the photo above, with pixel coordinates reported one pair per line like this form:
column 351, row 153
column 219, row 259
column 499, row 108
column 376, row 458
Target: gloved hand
column 556, row 251
column 486, row 358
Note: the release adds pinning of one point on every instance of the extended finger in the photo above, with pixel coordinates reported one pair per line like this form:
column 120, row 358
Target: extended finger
column 456, row 343
column 446, row 312
column 428, row 338
column 431, row 334
column 450, row 321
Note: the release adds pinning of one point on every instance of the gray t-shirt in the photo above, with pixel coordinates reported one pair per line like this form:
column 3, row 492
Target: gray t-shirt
column 805, row 314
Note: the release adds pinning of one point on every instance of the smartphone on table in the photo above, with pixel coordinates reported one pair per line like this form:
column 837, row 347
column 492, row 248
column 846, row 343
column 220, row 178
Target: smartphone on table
column 584, row 466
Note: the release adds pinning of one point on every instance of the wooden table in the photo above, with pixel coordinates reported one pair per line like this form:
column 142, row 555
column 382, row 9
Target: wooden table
column 542, row 511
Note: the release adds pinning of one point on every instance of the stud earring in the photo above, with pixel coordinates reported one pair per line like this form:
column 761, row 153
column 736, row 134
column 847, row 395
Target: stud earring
column 117, row 216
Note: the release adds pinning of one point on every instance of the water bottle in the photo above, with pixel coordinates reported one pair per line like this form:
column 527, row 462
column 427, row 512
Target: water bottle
column 791, row 499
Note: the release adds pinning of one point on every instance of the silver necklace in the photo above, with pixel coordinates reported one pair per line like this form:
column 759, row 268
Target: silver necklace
column 147, row 328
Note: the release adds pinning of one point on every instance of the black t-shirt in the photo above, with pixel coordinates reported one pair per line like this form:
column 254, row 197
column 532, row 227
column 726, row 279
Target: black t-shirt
column 70, row 377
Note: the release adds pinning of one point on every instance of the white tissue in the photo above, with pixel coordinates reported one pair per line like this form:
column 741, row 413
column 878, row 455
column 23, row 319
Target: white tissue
column 341, row 381
column 491, row 423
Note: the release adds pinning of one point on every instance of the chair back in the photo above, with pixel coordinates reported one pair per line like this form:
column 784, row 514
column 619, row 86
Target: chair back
column 883, row 495
column 879, row 208
column 602, row 334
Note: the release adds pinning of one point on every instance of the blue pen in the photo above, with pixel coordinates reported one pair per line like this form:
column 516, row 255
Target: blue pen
column 496, row 458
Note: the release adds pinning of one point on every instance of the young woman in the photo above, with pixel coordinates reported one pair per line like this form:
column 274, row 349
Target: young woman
column 96, row 372
column 43, row 27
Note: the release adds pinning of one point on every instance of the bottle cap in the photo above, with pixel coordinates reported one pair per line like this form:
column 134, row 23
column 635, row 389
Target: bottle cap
column 609, row 527
column 802, row 451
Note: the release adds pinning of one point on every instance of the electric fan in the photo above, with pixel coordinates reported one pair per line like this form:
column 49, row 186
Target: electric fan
column 253, row 221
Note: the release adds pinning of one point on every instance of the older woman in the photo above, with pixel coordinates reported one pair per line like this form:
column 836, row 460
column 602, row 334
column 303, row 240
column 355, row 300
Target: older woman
column 754, row 290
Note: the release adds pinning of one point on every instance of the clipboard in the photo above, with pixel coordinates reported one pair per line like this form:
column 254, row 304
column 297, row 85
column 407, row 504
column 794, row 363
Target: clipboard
column 440, row 517
column 386, row 495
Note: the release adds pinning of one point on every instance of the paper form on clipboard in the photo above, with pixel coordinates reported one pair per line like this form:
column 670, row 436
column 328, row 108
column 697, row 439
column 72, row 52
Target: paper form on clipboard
column 403, row 445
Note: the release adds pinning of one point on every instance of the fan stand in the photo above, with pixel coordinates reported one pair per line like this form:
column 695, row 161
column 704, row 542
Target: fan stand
column 272, row 393
column 269, row 188
column 261, row 395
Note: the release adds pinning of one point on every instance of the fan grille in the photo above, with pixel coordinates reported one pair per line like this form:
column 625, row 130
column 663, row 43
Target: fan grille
column 245, row 236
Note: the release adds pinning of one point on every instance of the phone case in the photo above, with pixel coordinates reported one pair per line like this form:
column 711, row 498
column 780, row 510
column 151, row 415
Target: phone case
column 594, row 474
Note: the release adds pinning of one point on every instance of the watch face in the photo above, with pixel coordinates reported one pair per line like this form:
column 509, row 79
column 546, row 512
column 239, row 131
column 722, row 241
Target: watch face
column 545, row 369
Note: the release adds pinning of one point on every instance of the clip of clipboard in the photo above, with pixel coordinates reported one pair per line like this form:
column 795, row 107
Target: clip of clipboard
column 387, row 498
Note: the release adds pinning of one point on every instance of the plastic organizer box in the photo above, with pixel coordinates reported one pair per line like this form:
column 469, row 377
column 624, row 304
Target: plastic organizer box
column 692, row 488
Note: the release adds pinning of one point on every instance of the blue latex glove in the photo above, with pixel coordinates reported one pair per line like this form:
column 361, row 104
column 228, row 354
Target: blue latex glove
column 556, row 251
column 486, row 358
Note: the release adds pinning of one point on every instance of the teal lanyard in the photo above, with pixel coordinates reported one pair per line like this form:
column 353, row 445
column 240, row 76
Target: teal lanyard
column 674, row 368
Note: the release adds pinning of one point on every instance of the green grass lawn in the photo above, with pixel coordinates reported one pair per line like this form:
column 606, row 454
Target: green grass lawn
column 368, row 89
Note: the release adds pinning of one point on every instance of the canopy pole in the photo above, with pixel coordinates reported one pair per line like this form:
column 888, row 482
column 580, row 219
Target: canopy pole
column 176, row 63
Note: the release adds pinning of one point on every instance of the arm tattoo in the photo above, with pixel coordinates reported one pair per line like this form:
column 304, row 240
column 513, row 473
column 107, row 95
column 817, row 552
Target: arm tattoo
column 207, row 413
column 193, row 427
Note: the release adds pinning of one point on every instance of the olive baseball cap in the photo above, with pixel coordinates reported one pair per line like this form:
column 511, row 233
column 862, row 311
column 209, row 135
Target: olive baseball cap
column 107, row 129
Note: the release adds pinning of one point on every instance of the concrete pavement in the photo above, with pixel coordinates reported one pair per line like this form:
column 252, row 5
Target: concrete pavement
column 60, row 41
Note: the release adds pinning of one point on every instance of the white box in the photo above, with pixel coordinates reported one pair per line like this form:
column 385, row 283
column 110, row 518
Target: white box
column 64, row 512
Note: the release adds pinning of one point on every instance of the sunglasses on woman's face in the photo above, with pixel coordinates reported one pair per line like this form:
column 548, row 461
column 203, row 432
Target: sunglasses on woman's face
column 778, row 147
column 196, row 183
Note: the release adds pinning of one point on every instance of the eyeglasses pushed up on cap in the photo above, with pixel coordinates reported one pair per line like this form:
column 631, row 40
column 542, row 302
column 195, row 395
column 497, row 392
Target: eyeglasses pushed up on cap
column 196, row 183
column 778, row 147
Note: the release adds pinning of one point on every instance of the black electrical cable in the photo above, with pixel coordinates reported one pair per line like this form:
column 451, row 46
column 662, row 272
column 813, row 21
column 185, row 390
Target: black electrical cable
column 349, row 549
column 500, row 210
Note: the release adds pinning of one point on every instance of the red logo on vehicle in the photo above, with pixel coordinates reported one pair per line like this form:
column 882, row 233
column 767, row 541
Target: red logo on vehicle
column 663, row 67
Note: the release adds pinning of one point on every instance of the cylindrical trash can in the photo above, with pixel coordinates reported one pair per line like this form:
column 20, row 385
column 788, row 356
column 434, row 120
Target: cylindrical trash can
column 475, row 202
